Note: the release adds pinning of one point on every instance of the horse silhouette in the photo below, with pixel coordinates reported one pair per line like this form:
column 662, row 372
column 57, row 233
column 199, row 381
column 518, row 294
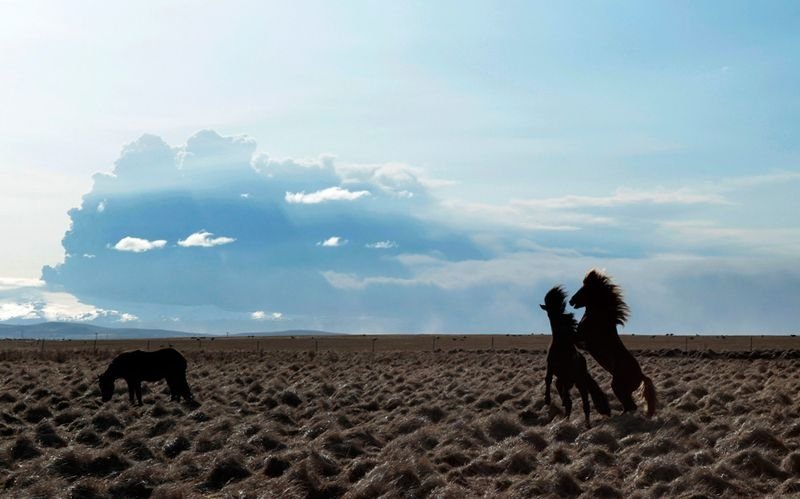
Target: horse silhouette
column 137, row 366
column 597, row 334
column 564, row 360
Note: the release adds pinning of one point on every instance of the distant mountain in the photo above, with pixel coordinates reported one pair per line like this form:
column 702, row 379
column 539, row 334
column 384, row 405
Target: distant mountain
column 79, row 331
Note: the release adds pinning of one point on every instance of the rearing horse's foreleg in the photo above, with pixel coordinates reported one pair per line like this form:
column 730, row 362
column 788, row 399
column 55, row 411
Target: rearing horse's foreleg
column 548, row 378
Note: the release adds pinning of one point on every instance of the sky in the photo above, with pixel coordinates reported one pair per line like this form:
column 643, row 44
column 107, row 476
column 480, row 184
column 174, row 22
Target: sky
column 398, row 166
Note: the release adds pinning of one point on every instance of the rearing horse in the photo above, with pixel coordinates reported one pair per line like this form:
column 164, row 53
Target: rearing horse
column 597, row 334
column 566, row 362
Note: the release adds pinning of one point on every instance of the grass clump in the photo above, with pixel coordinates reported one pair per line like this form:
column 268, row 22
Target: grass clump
column 225, row 470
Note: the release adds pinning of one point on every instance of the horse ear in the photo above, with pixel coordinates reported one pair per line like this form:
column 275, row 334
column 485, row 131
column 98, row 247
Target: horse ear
column 543, row 307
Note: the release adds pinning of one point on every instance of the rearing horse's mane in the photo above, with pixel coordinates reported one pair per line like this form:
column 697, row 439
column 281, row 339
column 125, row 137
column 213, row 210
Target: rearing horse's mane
column 556, row 300
column 612, row 295
column 556, row 297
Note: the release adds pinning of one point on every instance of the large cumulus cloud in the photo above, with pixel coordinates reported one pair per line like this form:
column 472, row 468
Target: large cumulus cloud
column 208, row 224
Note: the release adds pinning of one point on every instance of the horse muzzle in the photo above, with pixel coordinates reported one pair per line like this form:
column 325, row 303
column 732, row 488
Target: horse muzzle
column 575, row 304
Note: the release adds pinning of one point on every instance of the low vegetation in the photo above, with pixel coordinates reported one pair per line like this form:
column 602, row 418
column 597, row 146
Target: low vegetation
column 361, row 425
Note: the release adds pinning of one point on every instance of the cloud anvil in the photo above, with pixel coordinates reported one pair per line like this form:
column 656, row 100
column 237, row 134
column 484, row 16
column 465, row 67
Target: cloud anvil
column 211, row 225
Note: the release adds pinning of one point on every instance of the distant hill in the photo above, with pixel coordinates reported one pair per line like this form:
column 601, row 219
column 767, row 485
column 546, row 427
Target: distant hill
column 79, row 331
column 289, row 332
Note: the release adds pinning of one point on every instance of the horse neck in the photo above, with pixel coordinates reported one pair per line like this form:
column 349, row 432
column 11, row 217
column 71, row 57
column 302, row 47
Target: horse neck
column 112, row 371
column 561, row 327
column 600, row 314
column 599, row 317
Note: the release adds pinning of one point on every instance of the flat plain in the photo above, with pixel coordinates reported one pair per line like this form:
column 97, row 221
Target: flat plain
column 398, row 416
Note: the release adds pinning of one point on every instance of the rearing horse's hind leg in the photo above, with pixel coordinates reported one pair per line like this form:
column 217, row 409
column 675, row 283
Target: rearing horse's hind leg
column 585, row 399
column 624, row 395
column 566, row 401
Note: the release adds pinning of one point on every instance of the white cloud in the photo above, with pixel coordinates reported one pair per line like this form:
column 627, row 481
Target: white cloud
column 329, row 194
column 56, row 306
column 204, row 239
column 137, row 245
column 10, row 283
column 101, row 206
column 260, row 315
column 759, row 180
column 382, row 245
column 332, row 242
column 10, row 311
column 396, row 179
column 512, row 269
column 767, row 241
column 244, row 195
column 575, row 212
column 321, row 167
column 513, row 215
column 622, row 197
column 341, row 280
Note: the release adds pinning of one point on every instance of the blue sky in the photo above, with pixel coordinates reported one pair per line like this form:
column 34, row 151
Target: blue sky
column 485, row 150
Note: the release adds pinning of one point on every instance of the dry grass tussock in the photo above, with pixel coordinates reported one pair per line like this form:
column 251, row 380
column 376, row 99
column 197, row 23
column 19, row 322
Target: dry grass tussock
column 445, row 425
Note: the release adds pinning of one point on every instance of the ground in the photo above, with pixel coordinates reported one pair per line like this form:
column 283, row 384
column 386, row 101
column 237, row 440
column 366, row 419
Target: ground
column 317, row 421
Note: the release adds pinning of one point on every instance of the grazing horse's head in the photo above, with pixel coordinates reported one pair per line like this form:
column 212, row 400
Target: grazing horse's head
column 555, row 301
column 106, row 386
column 601, row 295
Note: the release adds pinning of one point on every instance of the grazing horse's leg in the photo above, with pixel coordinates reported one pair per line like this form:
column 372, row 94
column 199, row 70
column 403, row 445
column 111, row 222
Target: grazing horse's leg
column 131, row 388
column 139, row 391
column 186, row 391
column 623, row 394
column 174, row 388
column 548, row 378
column 566, row 401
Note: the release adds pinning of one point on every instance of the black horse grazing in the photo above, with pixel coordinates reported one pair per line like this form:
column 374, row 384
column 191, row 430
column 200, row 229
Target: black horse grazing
column 137, row 366
column 566, row 362
column 597, row 333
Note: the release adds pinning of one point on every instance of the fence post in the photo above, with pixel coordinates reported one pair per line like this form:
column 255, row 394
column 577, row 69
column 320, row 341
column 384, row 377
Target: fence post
column 492, row 342
column 95, row 343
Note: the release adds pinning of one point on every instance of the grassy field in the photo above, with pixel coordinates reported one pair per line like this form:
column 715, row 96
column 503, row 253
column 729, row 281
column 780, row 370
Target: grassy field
column 283, row 417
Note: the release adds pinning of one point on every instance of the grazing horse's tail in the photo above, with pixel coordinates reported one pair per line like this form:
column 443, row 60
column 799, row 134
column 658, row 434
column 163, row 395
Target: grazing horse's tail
column 599, row 398
column 649, row 391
